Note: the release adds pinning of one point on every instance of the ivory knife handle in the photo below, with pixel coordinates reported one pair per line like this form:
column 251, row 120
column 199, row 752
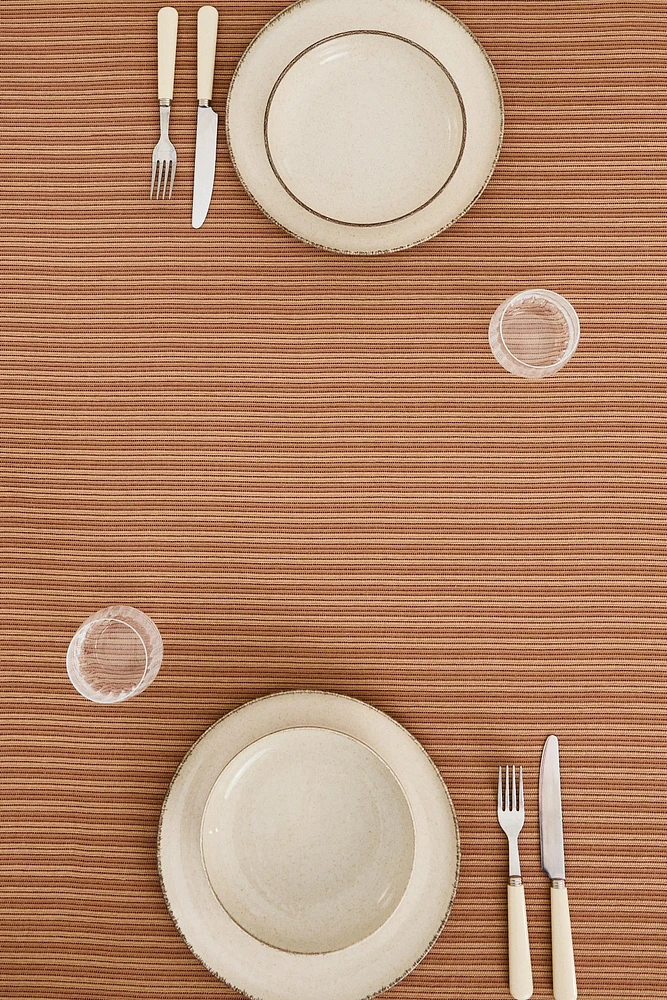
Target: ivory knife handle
column 167, row 29
column 562, row 951
column 521, row 974
column 207, row 37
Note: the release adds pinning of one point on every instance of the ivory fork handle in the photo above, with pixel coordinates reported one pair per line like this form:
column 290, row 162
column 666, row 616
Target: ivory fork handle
column 167, row 29
column 521, row 974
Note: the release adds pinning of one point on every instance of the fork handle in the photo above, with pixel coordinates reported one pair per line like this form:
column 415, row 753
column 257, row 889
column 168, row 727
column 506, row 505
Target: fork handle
column 167, row 29
column 562, row 951
column 521, row 973
column 207, row 37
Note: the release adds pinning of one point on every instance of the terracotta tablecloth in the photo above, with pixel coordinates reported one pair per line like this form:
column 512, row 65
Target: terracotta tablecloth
column 311, row 472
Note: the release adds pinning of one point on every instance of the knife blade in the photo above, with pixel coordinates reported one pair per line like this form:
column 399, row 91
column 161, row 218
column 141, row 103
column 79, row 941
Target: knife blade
column 207, row 119
column 551, row 811
column 553, row 862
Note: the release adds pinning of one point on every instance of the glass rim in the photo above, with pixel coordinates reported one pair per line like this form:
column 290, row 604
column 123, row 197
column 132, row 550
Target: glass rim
column 565, row 307
column 87, row 690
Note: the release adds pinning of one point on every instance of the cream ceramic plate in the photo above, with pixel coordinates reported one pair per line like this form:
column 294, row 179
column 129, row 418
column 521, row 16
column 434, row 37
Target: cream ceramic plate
column 364, row 126
column 308, row 841
column 308, row 849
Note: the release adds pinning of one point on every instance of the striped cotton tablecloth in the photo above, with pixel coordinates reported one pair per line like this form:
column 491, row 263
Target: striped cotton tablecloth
column 311, row 472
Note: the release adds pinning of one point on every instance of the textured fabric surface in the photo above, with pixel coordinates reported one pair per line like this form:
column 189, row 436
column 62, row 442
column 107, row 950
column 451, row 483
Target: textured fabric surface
column 311, row 472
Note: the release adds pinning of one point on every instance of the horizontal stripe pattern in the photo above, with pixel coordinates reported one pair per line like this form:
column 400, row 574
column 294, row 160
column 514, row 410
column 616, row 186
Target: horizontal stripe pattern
column 311, row 472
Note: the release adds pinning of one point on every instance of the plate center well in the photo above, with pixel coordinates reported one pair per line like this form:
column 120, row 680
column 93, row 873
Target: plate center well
column 308, row 840
column 364, row 128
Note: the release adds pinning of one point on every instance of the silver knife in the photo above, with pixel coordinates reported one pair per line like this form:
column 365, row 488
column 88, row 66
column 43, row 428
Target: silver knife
column 553, row 862
column 207, row 119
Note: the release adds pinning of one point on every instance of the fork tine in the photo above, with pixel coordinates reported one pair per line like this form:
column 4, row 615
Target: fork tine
column 163, row 179
column 173, row 174
column 500, row 789
column 507, row 787
column 521, row 789
column 153, row 172
column 159, row 179
column 167, row 171
column 513, row 787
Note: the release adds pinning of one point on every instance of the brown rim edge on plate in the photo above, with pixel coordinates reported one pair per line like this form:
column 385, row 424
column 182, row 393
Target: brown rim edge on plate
column 384, row 222
column 335, row 694
column 406, row 246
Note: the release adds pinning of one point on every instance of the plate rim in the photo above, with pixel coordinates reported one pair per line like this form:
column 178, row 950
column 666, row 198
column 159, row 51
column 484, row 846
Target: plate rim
column 357, row 252
column 385, row 34
column 423, row 752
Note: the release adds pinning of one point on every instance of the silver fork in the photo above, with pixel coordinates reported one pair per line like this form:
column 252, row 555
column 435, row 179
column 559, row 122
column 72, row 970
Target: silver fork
column 511, row 816
column 164, row 154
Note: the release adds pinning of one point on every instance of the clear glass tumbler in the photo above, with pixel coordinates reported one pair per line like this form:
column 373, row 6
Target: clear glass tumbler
column 534, row 333
column 115, row 655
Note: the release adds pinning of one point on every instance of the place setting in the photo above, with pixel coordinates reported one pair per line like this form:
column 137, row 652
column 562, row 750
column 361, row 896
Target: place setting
column 308, row 846
column 357, row 126
column 362, row 128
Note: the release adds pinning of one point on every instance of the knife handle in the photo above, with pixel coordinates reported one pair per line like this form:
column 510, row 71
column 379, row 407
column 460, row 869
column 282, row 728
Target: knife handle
column 521, row 973
column 207, row 37
column 167, row 29
column 562, row 951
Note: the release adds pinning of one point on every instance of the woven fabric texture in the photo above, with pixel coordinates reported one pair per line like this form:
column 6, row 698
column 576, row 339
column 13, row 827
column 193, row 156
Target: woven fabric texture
column 311, row 472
